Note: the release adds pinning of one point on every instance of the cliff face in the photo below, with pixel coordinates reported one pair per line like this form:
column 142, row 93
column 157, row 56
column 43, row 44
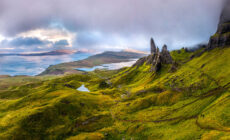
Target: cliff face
column 222, row 36
column 156, row 58
column 225, row 14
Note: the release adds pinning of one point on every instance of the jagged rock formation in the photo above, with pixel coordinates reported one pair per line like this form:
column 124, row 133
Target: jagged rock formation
column 153, row 46
column 165, row 56
column 222, row 36
column 156, row 58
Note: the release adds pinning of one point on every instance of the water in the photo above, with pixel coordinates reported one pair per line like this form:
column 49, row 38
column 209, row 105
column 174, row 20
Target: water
column 111, row 66
column 33, row 65
column 83, row 88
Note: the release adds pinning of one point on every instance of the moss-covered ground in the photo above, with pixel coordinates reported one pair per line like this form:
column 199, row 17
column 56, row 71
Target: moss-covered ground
column 190, row 103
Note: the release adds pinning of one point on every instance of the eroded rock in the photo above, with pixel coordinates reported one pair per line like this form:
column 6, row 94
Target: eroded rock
column 156, row 58
column 153, row 46
column 165, row 56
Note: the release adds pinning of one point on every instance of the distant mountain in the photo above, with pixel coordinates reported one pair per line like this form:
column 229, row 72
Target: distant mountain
column 95, row 60
column 56, row 52
column 118, row 55
column 135, row 51
column 4, row 76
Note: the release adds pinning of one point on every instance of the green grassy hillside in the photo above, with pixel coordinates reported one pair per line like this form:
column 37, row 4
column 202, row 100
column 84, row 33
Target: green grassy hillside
column 191, row 102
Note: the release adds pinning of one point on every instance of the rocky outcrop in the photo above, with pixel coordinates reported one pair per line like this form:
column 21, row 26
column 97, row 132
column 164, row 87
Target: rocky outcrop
column 165, row 56
column 141, row 61
column 156, row 59
column 219, row 41
column 222, row 37
column 153, row 46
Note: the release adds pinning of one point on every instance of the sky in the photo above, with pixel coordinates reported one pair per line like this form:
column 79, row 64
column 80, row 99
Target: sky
column 102, row 25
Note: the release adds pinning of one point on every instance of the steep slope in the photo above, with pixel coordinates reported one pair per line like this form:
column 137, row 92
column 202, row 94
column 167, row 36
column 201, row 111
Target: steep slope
column 192, row 102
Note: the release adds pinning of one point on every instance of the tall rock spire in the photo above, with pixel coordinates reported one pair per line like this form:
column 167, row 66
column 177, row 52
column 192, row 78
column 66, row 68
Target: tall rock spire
column 153, row 46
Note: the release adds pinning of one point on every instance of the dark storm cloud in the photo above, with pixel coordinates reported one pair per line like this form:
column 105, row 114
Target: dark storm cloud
column 174, row 22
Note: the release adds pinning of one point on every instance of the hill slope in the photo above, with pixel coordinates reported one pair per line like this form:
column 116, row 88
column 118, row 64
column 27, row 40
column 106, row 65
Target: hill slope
column 192, row 102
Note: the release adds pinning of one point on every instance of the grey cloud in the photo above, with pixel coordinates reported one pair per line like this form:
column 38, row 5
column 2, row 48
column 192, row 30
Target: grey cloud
column 89, row 39
column 33, row 44
column 173, row 22
column 61, row 43
column 20, row 41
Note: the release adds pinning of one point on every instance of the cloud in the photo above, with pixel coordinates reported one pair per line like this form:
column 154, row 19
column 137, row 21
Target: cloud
column 174, row 22
column 2, row 38
column 50, row 34
column 98, row 41
column 39, row 40
column 89, row 38
column 29, row 41
column 19, row 44
column 61, row 44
